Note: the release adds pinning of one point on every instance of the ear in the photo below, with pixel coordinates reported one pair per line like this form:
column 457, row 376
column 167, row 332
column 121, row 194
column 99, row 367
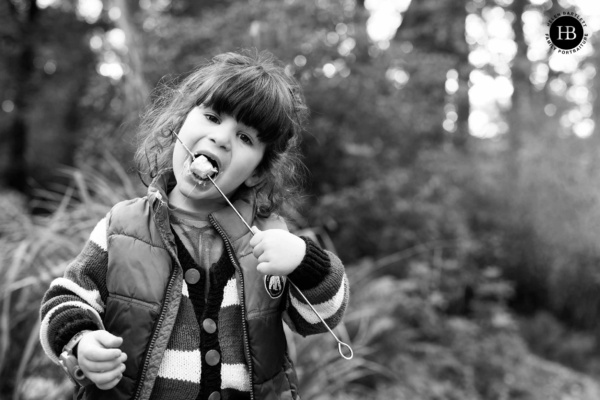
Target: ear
column 254, row 179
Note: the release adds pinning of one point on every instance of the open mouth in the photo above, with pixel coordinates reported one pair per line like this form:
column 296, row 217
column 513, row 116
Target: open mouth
column 202, row 167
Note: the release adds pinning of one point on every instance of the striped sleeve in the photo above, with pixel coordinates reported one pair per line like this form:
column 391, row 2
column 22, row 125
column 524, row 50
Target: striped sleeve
column 321, row 278
column 74, row 301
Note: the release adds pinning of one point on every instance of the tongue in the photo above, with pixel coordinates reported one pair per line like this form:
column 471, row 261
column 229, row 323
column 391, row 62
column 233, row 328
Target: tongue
column 202, row 167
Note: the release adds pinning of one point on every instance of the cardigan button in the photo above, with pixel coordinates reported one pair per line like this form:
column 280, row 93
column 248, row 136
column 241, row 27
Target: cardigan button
column 192, row 276
column 212, row 357
column 209, row 325
column 214, row 396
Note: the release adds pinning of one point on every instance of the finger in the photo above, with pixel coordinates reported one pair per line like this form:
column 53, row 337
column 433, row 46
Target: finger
column 109, row 340
column 258, row 250
column 108, row 380
column 111, row 361
column 264, row 258
column 101, row 366
column 100, row 354
column 107, row 377
column 109, row 385
column 263, row 268
column 257, row 236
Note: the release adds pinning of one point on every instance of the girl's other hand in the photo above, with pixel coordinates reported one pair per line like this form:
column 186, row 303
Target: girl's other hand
column 100, row 358
column 278, row 251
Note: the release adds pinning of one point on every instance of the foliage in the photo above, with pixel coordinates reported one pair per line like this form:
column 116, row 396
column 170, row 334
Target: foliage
column 406, row 346
column 398, row 210
column 550, row 245
column 556, row 341
column 35, row 250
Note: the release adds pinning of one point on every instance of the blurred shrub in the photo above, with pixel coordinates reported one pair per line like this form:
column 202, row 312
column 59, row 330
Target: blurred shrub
column 553, row 340
column 552, row 230
column 33, row 251
column 407, row 347
column 399, row 209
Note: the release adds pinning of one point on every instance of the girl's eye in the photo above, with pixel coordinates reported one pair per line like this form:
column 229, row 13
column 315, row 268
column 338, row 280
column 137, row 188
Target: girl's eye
column 245, row 138
column 212, row 118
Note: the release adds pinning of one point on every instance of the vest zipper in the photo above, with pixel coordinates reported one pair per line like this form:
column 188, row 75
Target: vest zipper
column 160, row 318
column 242, row 300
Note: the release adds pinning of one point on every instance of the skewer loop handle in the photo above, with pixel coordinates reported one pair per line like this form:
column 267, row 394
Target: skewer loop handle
column 347, row 357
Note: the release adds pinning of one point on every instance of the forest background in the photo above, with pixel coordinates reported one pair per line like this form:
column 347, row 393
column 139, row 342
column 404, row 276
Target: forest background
column 454, row 165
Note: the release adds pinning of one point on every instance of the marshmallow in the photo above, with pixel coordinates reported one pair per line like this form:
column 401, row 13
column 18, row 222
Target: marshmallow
column 202, row 167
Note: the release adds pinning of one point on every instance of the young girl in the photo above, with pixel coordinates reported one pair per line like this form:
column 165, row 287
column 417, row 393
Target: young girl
column 172, row 297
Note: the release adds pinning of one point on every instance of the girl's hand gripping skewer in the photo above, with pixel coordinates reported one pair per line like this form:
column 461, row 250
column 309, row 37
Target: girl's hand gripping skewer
column 277, row 268
column 278, row 252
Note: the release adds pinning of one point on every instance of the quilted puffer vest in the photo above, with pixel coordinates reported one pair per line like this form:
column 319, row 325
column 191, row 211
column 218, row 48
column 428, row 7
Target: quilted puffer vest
column 144, row 282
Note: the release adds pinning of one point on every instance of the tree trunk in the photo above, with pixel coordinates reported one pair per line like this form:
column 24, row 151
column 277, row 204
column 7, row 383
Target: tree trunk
column 19, row 66
column 520, row 99
column 595, row 60
column 460, row 47
column 436, row 31
column 136, row 87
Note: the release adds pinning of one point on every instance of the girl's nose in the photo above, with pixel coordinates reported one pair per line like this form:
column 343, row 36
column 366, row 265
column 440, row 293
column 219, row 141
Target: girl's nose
column 221, row 134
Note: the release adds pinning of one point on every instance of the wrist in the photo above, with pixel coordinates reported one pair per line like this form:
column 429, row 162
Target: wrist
column 296, row 254
column 313, row 268
column 69, row 363
column 302, row 249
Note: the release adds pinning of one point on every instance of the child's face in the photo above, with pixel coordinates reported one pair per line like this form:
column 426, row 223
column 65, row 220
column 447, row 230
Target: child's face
column 232, row 145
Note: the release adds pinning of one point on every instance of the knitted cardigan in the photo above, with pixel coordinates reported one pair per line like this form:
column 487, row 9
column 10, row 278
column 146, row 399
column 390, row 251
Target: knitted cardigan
column 184, row 372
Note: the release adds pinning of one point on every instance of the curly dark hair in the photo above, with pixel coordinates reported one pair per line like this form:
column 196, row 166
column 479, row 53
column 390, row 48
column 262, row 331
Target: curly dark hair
column 253, row 88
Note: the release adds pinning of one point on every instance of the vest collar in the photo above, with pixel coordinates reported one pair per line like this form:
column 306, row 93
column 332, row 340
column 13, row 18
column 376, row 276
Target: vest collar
column 160, row 187
column 226, row 217
column 230, row 222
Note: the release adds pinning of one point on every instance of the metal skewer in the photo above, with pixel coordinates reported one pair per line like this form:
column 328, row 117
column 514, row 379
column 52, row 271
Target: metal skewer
column 340, row 343
column 230, row 205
